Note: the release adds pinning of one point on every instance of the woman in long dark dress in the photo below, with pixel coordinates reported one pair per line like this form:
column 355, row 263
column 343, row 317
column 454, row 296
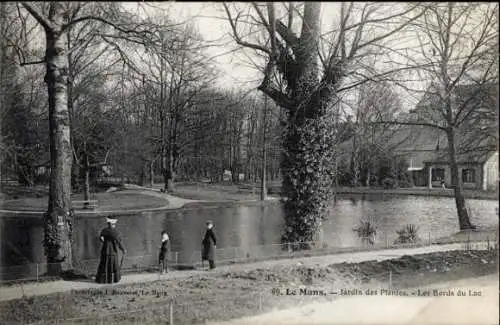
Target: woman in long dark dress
column 109, row 266
column 208, row 246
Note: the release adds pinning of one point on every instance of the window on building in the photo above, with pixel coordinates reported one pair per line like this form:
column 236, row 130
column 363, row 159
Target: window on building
column 437, row 174
column 468, row 176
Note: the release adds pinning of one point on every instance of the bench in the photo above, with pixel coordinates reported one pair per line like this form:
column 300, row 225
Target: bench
column 85, row 204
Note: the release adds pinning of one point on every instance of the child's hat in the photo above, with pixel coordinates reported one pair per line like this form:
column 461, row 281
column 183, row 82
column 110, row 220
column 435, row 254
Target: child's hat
column 111, row 220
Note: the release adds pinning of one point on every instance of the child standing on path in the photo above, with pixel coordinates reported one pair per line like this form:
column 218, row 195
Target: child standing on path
column 164, row 252
column 208, row 246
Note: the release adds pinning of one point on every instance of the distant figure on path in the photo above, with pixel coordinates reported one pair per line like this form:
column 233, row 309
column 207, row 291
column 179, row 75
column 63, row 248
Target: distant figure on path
column 442, row 183
column 109, row 266
column 209, row 244
column 164, row 252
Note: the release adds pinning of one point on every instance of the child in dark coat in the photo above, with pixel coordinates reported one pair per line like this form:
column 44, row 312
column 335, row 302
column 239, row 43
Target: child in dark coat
column 164, row 252
column 208, row 246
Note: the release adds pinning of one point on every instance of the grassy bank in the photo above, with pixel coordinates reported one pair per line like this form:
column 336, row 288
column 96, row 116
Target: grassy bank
column 239, row 192
column 470, row 194
column 120, row 200
column 228, row 295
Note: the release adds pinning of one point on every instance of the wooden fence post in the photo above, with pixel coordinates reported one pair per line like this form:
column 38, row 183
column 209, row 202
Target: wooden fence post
column 171, row 312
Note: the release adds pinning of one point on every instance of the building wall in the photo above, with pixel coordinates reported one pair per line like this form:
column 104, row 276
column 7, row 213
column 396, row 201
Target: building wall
column 478, row 175
column 447, row 175
column 490, row 174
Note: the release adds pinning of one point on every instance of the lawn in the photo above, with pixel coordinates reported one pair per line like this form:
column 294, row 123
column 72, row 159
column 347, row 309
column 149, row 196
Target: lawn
column 240, row 192
column 119, row 200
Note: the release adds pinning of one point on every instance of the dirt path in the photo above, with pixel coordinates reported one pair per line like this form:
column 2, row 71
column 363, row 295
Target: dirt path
column 17, row 291
column 235, row 293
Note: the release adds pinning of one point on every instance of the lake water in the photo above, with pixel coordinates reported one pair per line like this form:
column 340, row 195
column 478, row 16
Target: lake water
column 246, row 226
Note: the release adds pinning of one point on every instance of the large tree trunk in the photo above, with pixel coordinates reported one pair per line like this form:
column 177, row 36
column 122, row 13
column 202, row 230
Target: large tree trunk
column 3, row 75
column 307, row 168
column 69, row 81
column 463, row 215
column 58, row 217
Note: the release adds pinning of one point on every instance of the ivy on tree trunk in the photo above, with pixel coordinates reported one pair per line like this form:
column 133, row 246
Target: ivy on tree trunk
column 307, row 168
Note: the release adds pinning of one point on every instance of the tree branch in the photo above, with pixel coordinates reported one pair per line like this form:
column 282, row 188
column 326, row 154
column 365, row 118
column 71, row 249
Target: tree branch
column 32, row 62
column 75, row 156
column 103, row 163
column 237, row 37
column 99, row 19
column 44, row 21
column 277, row 96
column 285, row 32
column 457, row 121
column 403, row 25
column 262, row 18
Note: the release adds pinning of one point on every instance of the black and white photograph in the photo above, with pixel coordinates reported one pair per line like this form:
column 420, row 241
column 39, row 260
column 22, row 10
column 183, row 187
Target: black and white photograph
column 249, row 163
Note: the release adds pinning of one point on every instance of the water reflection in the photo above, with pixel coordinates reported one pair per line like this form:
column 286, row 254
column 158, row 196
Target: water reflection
column 245, row 226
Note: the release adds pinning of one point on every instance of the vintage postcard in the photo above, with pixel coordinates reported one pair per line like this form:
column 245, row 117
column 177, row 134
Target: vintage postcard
column 249, row 163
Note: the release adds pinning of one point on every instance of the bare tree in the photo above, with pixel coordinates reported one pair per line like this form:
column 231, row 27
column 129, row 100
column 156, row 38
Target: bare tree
column 459, row 49
column 56, row 20
column 299, row 77
column 179, row 71
column 374, row 100
column 93, row 128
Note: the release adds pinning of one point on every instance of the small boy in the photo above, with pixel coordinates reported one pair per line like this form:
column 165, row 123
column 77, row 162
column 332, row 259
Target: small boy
column 164, row 252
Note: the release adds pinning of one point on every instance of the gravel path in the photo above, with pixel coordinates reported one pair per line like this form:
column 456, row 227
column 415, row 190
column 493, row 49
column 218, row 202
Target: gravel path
column 33, row 289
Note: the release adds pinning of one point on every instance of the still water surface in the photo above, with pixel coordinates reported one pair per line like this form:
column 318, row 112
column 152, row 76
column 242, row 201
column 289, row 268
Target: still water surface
column 244, row 226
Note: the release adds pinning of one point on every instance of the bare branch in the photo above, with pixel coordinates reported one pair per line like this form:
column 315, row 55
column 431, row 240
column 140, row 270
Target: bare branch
column 32, row 62
column 392, row 32
column 272, row 25
column 237, row 37
column 44, row 21
column 287, row 34
column 473, row 53
column 290, row 16
column 262, row 18
column 277, row 96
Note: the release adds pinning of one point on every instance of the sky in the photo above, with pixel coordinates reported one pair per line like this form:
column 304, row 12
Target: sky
column 210, row 20
column 215, row 31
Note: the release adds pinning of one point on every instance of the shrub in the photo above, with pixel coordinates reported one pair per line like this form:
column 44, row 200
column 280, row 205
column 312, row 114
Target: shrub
column 388, row 183
column 407, row 235
column 405, row 182
column 366, row 231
